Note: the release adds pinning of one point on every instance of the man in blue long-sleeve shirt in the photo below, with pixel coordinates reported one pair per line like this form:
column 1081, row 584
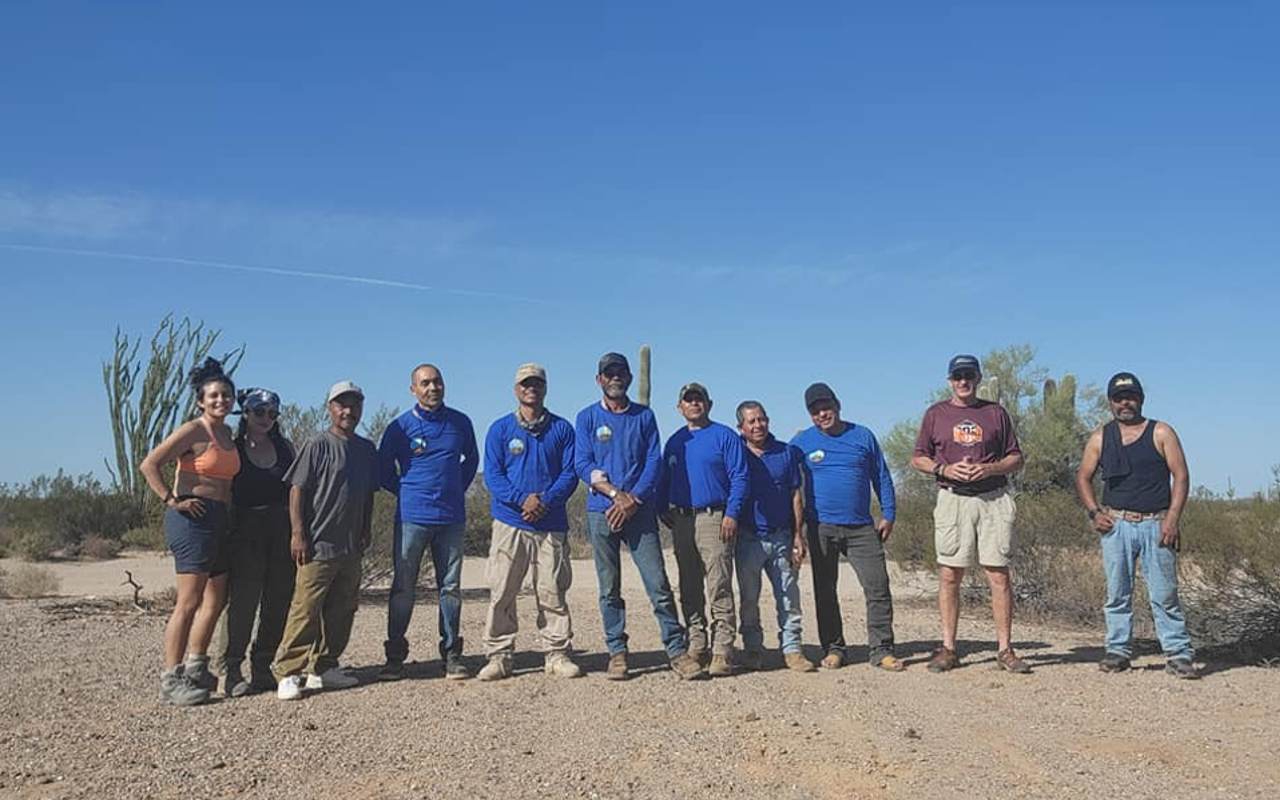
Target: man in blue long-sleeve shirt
column 528, row 467
column 842, row 464
column 705, row 485
column 616, row 453
column 428, row 459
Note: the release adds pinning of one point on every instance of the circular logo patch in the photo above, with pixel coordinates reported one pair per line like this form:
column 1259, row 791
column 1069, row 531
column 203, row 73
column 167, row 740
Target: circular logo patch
column 671, row 461
column 816, row 456
column 417, row 445
column 515, row 446
column 604, row 433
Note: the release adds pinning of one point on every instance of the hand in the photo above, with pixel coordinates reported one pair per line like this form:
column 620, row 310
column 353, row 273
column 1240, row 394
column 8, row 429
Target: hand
column 533, row 509
column 192, row 507
column 958, row 473
column 1169, row 533
column 728, row 529
column 884, row 527
column 298, row 549
column 1102, row 522
column 668, row 520
column 623, row 509
column 978, row 472
column 799, row 550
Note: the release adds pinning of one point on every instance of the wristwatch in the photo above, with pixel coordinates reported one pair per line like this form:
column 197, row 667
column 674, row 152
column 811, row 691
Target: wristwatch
column 613, row 494
column 1093, row 512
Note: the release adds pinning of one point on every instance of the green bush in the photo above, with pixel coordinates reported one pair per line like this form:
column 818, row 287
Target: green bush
column 145, row 537
column 35, row 544
column 65, row 510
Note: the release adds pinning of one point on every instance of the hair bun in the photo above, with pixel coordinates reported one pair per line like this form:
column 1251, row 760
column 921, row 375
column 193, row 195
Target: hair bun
column 201, row 374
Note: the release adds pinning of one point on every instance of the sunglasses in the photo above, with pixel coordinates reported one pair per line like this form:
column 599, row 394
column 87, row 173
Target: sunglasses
column 529, row 383
column 964, row 375
column 269, row 413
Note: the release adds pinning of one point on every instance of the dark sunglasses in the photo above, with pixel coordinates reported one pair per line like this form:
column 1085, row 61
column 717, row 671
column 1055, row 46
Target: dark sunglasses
column 693, row 397
column 965, row 375
column 269, row 413
column 529, row 383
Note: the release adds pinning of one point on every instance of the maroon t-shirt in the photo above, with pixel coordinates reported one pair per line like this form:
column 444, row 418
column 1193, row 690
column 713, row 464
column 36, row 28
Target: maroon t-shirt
column 982, row 433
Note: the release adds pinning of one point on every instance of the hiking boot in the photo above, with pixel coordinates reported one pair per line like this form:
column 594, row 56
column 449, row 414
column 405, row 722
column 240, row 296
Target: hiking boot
column 234, row 684
column 618, row 669
column 179, row 689
column 393, row 670
column 750, row 660
column 944, row 660
column 1009, row 662
column 1182, row 668
column 559, row 665
column 797, row 662
column 1113, row 662
column 334, row 678
column 833, row 660
column 454, row 669
column 687, row 667
column 721, row 665
column 890, row 664
column 497, row 668
column 262, row 681
column 289, row 688
column 196, row 669
column 703, row 657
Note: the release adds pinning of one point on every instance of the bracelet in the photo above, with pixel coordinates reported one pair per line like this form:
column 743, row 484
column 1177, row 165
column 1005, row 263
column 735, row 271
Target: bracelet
column 938, row 469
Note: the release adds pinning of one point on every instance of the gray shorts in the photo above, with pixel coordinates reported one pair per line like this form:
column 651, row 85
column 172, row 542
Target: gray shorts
column 199, row 544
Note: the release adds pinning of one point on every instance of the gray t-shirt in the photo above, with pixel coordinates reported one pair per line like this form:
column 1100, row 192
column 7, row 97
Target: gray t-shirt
column 338, row 477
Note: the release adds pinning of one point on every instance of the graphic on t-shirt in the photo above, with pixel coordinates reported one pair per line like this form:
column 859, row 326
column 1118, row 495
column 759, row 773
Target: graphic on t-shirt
column 604, row 433
column 967, row 432
column 515, row 446
column 417, row 445
column 816, row 456
column 672, row 460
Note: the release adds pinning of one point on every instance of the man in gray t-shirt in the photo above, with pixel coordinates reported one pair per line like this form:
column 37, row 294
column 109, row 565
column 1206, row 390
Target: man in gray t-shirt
column 332, row 483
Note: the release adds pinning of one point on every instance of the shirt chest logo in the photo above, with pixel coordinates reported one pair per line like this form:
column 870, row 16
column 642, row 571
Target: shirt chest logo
column 817, row 456
column 418, row 445
column 672, row 461
column 515, row 447
column 603, row 434
column 967, row 433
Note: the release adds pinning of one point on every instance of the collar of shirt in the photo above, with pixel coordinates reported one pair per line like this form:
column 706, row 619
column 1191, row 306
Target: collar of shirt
column 611, row 411
column 425, row 414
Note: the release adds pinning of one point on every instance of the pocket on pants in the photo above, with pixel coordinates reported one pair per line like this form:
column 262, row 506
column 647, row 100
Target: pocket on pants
column 946, row 525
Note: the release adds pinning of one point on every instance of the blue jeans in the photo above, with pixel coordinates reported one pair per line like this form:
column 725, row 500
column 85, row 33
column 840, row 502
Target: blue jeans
column 641, row 537
column 772, row 555
column 411, row 542
column 1122, row 546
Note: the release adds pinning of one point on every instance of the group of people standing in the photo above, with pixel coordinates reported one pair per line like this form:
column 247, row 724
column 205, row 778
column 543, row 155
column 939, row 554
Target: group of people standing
column 281, row 531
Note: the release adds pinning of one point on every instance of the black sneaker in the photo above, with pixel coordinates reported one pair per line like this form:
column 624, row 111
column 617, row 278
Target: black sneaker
column 393, row 670
column 1113, row 662
column 1182, row 668
column 454, row 669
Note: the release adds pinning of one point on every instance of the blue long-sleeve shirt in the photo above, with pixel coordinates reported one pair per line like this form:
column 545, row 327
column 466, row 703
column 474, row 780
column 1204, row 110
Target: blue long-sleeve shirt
column 840, row 472
column 775, row 476
column 428, row 460
column 705, row 467
column 624, row 446
column 518, row 463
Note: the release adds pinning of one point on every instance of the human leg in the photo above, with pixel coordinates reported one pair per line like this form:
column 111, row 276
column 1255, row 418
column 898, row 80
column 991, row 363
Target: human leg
column 606, row 553
column 446, row 556
column 691, row 577
column 408, row 545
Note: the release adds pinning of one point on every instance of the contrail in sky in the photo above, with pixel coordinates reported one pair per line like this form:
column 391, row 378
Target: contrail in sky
column 293, row 273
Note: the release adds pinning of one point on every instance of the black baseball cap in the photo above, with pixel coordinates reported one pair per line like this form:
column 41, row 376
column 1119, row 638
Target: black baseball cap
column 818, row 392
column 1123, row 382
column 963, row 362
column 612, row 360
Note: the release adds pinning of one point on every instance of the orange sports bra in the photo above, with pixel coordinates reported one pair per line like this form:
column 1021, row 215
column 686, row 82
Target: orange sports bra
column 214, row 462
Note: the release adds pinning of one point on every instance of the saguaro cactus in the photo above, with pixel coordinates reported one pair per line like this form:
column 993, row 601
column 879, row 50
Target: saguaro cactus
column 645, row 386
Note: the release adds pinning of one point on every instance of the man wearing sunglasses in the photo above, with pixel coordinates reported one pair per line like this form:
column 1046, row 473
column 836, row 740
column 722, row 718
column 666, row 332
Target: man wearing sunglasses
column 968, row 445
column 616, row 453
column 704, row 487
column 429, row 457
column 1138, row 522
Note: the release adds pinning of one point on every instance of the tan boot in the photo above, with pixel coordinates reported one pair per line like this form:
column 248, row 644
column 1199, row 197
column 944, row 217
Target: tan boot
column 799, row 663
column 559, row 665
column 833, row 660
column 618, row 668
column 721, row 665
column 687, row 667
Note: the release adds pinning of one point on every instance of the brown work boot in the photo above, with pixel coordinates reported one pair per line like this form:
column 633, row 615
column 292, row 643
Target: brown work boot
column 617, row 669
column 750, row 660
column 687, row 667
column 797, row 662
column 1009, row 662
column 833, row 660
column 890, row 664
column 703, row 657
column 944, row 660
column 721, row 665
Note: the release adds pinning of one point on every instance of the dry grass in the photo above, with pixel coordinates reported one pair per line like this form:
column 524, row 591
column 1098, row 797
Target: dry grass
column 26, row 581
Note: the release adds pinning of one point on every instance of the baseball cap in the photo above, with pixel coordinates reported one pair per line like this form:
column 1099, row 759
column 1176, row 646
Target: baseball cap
column 612, row 360
column 817, row 392
column 253, row 397
column 963, row 362
column 695, row 387
column 344, row 387
column 1124, row 382
column 530, row 370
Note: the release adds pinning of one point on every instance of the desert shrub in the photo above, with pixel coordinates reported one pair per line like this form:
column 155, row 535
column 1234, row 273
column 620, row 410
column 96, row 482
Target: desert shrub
column 35, row 543
column 29, row 581
column 145, row 537
column 99, row 549
column 67, row 510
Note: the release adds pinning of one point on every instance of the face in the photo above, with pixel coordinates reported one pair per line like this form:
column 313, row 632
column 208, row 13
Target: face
column 694, row 407
column 216, row 399
column 614, row 382
column 825, row 414
column 531, row 391
column 261, row 419
column 345, row 411
column 964, row 383
column 428, row 387
column 1126, row 406
column 755, row 426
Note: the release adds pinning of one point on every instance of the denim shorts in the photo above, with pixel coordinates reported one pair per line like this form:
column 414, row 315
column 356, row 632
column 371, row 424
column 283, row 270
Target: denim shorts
column 199, row 544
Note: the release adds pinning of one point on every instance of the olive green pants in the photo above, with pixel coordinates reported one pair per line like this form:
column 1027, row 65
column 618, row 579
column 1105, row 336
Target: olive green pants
column 325, row 597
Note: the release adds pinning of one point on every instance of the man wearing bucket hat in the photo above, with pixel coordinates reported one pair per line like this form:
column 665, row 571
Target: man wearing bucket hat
column 528, row 467
column 968, row 445
column 704, row 488
column 1138, row 522
column 332, row 480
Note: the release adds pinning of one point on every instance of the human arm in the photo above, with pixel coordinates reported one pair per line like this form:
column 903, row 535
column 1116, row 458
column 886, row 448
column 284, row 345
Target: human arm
column 566, row 481
column 470, row 454
column 495, row 467
column 1100, row 520
column 1167, row 442
column 171, row 449
column 735, row 464
column 882, row 482
column 392, row 453
column 799, row 547
column 298, row 525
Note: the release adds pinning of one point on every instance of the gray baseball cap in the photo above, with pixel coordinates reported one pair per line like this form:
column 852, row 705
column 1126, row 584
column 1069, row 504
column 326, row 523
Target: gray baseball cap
column 344, row 387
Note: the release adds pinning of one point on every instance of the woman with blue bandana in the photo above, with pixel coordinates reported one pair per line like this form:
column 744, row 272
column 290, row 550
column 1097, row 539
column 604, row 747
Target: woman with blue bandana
column 261, row 566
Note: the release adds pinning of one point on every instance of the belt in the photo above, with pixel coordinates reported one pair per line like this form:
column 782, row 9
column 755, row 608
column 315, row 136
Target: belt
column 1134, row 516
column 687, row 511
column 962, row 493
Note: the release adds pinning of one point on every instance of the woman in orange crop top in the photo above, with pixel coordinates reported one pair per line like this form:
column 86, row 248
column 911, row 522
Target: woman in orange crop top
column 196, row 526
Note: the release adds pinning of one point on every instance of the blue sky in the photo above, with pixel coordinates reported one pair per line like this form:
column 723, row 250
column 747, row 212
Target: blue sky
column 767, row 195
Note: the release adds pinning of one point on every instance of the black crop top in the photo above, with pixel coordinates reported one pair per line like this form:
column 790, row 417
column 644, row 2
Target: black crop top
column 255, row 486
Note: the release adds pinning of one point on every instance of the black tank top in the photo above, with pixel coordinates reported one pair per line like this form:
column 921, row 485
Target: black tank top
column 254, row 486
column 1145, row 487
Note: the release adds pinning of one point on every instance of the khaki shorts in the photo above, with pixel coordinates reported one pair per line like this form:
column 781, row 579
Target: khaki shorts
column 981, row 525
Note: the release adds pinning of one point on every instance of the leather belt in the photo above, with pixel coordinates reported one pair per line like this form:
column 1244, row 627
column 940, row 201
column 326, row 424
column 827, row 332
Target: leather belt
column 686, row 511
column 1134, row 516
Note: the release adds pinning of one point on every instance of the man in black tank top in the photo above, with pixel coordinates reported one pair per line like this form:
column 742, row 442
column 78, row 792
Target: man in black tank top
column 1138, row 522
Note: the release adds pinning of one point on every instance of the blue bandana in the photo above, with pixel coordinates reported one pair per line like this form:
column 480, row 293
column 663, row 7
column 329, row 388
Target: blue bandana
column 253, row 397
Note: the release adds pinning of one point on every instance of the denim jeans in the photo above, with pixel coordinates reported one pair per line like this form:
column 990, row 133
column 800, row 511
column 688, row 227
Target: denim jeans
column 411, row 542
column 640, row 535
column 771, row 554
column 1125, row 544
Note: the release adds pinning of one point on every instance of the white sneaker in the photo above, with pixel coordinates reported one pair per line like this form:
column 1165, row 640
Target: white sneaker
column 334, row 678
column 499, row 667
column 289, row 688
column 559, row 665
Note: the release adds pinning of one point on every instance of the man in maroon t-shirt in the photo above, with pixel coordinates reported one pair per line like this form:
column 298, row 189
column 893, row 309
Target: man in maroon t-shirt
column 969, row 446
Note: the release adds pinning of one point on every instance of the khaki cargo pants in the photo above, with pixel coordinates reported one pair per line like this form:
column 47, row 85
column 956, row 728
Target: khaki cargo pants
column 706, row 572
column 325, row 596
column 516, row 552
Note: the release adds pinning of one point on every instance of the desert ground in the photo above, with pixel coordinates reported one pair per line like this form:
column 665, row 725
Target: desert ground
column 79, row 715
